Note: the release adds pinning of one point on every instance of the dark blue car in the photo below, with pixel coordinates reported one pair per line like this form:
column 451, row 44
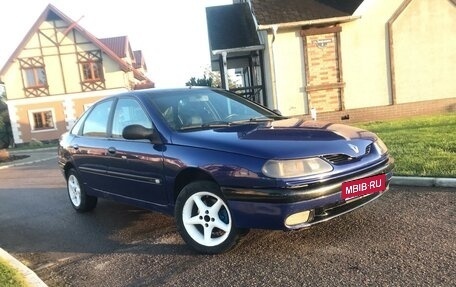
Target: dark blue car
column 219, row 163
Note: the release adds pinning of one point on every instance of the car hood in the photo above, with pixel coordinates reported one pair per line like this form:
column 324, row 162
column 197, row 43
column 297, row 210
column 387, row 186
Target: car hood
column 281, row 139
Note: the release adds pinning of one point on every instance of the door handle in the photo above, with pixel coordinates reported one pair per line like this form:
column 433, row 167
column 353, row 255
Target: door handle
column 112, row 150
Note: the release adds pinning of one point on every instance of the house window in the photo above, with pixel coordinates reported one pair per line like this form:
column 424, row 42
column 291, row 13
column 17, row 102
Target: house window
column 35, row 77
column 91, row 71
column 42, row 120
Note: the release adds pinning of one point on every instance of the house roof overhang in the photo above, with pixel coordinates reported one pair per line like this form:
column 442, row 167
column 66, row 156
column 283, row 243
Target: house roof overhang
column 238, row 50
column 314, row 22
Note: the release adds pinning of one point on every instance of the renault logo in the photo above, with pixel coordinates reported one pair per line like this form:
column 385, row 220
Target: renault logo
column 354, row 148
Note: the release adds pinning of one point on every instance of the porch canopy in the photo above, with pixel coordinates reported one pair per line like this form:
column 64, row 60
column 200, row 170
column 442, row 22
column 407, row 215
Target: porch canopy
column 233, row 39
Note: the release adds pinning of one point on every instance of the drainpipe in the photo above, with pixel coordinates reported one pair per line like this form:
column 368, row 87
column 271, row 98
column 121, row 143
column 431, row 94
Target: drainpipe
column 274, row 83
column 223, row 68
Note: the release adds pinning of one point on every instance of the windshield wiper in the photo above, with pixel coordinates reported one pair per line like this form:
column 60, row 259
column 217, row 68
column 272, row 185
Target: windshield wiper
column 209, row 125
column 216, row 124
column 253, row 120
column 261, row 119
column 224, row 124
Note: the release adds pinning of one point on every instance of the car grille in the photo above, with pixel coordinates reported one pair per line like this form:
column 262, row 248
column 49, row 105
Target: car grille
column 343, row 158
column 338, row 158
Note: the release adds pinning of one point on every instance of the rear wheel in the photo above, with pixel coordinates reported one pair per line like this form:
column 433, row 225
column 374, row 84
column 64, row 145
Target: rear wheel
column 79, row 199
column 204, row 219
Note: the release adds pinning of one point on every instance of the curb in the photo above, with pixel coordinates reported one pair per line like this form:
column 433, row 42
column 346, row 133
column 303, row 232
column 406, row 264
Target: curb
column 14, row 151
column 29, row 276
column 27, row 163
column 32, row 151
column 423, row 181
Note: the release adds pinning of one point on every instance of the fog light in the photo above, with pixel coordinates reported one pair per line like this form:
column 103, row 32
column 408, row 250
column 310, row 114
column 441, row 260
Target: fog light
column 298, row 218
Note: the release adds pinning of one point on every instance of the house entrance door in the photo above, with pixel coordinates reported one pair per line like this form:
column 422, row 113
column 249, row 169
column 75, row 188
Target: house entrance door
column 324, row 82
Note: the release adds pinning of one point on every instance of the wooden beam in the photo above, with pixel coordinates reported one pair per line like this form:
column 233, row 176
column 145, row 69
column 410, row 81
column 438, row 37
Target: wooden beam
column 318, row 31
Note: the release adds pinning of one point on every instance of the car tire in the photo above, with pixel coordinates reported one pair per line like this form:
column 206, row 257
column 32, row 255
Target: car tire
column 204, row 219
column 79, row 199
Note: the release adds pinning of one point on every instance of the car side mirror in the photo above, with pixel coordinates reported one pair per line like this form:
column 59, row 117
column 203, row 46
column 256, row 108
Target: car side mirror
column 139, row 132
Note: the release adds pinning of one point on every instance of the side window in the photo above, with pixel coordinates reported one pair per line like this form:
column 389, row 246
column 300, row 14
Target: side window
column 128, row 112
column 96, row 123
column 77, row 127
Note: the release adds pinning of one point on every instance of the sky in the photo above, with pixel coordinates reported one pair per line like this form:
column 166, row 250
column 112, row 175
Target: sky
column 171, row 33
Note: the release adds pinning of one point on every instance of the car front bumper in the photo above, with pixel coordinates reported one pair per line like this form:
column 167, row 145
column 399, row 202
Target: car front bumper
column 269, row 209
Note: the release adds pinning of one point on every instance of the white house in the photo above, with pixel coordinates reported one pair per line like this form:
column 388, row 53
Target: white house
column 349, row 60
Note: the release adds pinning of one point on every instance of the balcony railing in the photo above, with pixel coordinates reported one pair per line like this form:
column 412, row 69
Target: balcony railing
column 253, row 93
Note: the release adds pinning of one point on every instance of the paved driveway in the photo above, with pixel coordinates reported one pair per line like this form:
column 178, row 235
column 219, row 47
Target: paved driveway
column 406, row 238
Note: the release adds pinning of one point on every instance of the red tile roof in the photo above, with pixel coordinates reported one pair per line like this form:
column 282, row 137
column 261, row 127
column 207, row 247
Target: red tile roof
column 117, row 44
column 139, row 60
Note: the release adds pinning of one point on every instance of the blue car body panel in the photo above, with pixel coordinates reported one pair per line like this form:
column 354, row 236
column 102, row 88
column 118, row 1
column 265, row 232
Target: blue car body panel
column 148, row 174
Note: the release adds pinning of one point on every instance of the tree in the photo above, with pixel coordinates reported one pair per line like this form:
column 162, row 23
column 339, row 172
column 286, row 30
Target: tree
column 200, row 81
column 3, row 114
column 5, row 126
column 211, row 79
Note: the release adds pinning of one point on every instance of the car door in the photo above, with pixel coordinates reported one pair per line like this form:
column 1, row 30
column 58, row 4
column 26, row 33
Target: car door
column 89, row 146
column 136, row 166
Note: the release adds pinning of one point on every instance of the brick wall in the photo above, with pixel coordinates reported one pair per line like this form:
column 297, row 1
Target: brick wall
column 389, row 112
column 322, row 70
column 325, row 100
column 322, row 59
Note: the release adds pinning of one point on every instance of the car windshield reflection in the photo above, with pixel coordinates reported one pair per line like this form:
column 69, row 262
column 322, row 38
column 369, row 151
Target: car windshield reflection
column 208, row 109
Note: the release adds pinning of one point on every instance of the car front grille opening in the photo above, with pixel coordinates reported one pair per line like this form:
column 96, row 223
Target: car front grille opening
column 338, row 158
column 343, row 158
column 368, row 149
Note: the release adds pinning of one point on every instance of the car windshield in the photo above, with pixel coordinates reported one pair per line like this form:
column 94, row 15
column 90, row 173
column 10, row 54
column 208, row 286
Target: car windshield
column 205, row 108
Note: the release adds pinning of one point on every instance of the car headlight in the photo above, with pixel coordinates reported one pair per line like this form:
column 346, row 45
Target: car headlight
column 380, row 146
column 295, row 167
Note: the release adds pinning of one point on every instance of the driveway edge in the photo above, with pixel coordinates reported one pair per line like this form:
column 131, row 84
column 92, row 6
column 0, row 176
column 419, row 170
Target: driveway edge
column 29, row 276
column 423, row 181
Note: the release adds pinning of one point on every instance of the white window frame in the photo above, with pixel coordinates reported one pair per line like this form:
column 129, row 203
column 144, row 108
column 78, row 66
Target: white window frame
column 32, row 120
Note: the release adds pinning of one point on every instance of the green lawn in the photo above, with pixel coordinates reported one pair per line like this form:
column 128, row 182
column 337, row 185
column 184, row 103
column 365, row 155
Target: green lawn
column 10, row 277
column 422, row 146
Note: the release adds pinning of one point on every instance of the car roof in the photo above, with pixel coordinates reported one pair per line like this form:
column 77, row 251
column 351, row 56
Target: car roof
column 161, row 91
column 171, row 90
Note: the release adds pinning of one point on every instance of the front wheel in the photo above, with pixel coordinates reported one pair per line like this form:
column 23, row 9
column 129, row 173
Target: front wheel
column 79, row 199
column 204, row 219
